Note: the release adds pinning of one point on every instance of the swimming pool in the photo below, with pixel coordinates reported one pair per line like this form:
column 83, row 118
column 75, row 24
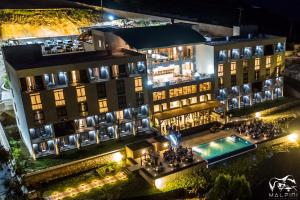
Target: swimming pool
column 223, row 148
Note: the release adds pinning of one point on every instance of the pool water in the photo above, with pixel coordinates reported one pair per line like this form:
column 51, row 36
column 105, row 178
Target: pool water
column 223, row 148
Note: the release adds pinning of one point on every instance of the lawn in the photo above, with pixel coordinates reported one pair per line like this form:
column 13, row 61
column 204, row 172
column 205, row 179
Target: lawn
column 133, row 186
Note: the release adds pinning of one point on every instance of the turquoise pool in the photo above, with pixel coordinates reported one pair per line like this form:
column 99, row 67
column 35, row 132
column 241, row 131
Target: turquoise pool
column 222, row 148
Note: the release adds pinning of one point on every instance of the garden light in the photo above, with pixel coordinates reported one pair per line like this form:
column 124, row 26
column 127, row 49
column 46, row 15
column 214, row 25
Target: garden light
column 159, row 184
column 293, row 137
column 257, row 115
column 117, row 157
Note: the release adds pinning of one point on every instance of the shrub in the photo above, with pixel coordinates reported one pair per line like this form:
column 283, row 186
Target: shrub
column 227, row 187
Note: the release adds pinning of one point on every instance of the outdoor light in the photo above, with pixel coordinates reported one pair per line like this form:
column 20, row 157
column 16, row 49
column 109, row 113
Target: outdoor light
column 257, row 115
column 159, row 183
column 111, row 17
column 180, row 48
column 117, row 157
column 166, row 144
column 293, row 137
column 149, row 82
column 143, row 151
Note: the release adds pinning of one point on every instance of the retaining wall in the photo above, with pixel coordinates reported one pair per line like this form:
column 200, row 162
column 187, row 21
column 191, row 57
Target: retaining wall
column 75, row 167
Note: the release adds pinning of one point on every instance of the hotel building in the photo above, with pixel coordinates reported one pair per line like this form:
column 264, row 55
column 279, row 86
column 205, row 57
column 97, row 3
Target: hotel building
column 180, row 83
column 128, row 80
column 70, row 100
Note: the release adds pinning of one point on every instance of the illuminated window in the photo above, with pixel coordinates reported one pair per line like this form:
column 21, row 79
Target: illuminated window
column 74, row 76
column 159, row 95
column 59, row 97
column 220, row 81
column 103, row 105
column 120, row 115
column 80, row 91
column 220, row 69
column 164, row 106
column 190, row 89
column 245, row 64
column 268, row 62
column 233, row 68
column 184, row 102
column 205, row 86
column 257, row 63
column 36, row 103
column 115, row 71
column 193, row 100
column 138, row 84
column 174, row 104
column 279, row 60
column 156, row 108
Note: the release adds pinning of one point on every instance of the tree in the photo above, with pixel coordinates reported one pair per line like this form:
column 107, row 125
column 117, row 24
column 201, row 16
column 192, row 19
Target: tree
column 227, row 187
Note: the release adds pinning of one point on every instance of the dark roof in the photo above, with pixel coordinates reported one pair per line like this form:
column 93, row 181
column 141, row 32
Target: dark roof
column 139, row 145
column 30, row 56
column 157, row 36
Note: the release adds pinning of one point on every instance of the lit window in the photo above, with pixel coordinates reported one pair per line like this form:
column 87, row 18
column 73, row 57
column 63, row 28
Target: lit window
column 115, row 71
column 80, row 91
column 74, row 76
column 193, row 100
column 103, row 105
column 279, row 60
column 190, row 89
column 257, row 63
column 220, row 70
column 138, row 84
column 59, row 97
column 156, row 108
column 174, row 104
column 268, row 62
column 36, row 102
column 184, row 102
column 159, row 95
column 233, row 68
column 205, row 86
column 120, row 115
column 164, row 106
column 245, row 64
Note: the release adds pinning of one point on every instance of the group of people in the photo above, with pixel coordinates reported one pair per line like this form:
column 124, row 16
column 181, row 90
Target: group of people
column 175, row 156
column 257, row 128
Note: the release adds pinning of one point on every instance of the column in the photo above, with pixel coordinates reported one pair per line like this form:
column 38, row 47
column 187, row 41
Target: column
column 56, row 147
column 78, row 141
column 250, row 98
column 117, row 135
column 272, row 94
column 239, row 101
column 134, row 132
column 97, row 136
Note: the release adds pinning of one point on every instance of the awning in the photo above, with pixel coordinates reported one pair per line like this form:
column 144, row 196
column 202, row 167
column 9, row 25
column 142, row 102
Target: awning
column 186, row 110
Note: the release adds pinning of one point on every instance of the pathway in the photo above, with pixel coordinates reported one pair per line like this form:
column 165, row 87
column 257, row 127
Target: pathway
column 85, row 187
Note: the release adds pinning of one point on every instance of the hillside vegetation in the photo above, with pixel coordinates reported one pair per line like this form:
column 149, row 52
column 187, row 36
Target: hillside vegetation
column 17, row 23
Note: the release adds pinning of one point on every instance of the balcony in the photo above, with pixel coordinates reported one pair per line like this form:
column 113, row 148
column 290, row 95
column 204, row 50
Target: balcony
column 44, row 148
column 53, row 81
column 67, row 142
column 41, row 134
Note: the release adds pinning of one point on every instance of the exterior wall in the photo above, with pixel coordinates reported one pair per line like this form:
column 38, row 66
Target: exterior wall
column 228, row 46
column 60, row 171
column 18, row 107
column 204, row 57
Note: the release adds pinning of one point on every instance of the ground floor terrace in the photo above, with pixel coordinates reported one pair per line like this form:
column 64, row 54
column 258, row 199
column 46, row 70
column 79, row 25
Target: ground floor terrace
column 186, row 117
